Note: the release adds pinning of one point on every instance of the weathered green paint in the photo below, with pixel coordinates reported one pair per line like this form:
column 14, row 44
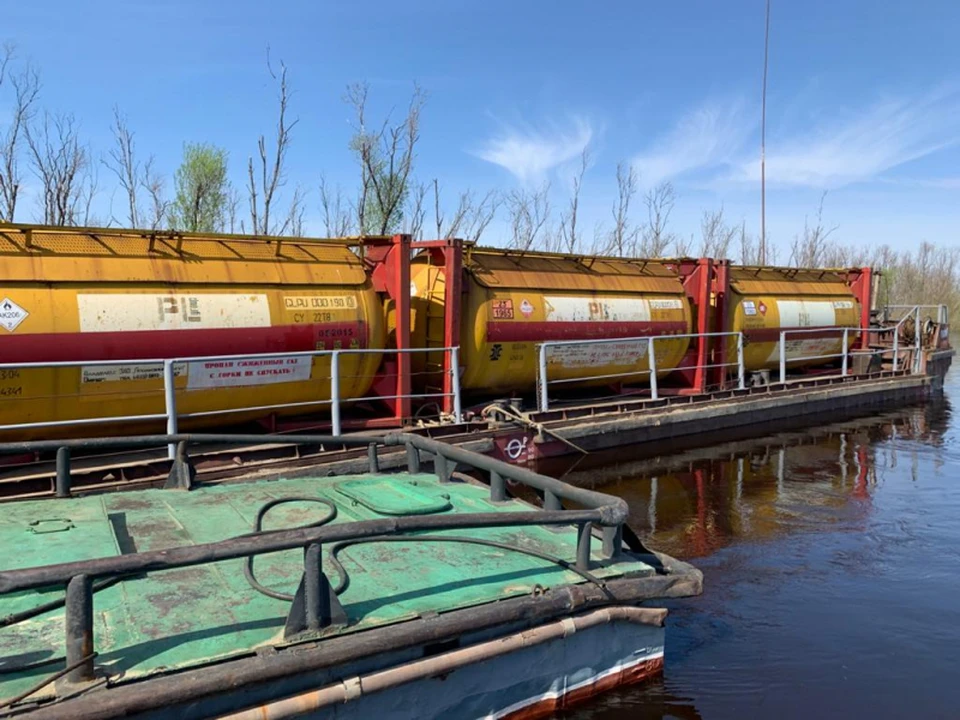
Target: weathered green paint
column 180, row 618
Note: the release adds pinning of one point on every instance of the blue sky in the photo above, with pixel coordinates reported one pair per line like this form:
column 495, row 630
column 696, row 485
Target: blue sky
column 863, row 99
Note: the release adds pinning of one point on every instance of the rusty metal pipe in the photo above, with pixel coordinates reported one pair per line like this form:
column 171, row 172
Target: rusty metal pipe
column 356, row 687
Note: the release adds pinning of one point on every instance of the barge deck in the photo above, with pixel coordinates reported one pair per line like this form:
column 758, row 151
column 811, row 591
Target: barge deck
column 415, row 574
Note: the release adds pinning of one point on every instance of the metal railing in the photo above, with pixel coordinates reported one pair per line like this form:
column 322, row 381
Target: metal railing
column 168, row 373
column 846, row 352
column 543, row 380
column 942, row 313
column 592, row 508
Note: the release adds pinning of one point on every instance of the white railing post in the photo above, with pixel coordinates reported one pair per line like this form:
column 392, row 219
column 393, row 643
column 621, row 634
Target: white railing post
column 896, row 347
column 335, row 392
column 542, row 378
column 783, row 356
column 170, row 404
column 846, row 348
column 741, row 369
column 652, row 355
column 918, row 345
column 455, row 383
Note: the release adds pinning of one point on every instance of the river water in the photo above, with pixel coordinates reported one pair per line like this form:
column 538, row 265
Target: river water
column 831, row 563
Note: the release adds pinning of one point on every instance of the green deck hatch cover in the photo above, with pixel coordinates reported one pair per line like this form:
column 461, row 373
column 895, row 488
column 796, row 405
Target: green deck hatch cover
column 389, row 497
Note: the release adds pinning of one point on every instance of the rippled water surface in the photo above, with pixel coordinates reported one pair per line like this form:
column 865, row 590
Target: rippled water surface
column 831, row 563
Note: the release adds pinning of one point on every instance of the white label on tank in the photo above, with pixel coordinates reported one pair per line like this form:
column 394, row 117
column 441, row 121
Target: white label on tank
column 666, row 304
column 138, row 311
column 115, row 373
column 629, row 352
column 843, row 304
column 749, row 307
column 239, row 373
column 592, row 309
column 801, row 314
column 806, row 313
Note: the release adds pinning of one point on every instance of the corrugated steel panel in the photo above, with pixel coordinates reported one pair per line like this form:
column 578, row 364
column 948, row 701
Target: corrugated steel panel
column 541, row 271
column 84, row 255
column 787, row 281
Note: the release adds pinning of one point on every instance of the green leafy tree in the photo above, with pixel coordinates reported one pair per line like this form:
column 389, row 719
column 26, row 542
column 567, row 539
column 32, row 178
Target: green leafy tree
column 202, row 189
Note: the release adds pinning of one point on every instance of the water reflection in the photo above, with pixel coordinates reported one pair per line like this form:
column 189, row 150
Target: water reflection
column 693, row 503
column 824, row 551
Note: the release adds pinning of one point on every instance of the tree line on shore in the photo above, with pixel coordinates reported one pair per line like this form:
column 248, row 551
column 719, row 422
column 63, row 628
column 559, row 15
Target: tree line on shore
column 389, row 196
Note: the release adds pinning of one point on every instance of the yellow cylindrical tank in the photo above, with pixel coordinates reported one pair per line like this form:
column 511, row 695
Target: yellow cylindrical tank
column 514, row 301
column 84, row 295
column 765, row 301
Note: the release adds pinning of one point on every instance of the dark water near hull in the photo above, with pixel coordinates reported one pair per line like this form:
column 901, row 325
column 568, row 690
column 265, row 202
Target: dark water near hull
column 832, row 571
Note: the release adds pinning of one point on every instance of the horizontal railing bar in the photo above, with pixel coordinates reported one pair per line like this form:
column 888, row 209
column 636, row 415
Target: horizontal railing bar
column 83, row 421
column 607, row 341
column 216, row 358
column 274, row 541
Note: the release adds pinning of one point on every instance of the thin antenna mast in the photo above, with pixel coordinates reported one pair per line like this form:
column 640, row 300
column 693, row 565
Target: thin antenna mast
column 763, row 145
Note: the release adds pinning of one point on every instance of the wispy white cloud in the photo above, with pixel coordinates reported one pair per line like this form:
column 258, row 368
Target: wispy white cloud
column 859, row 145
column 530, row 153
column 709, row 137
column 715, row 145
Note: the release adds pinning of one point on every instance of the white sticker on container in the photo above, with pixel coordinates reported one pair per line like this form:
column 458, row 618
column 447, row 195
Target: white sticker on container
column 117, row 373
column 806, row 313
column 749, row 307
column 241, row 373
column 666, row 304
column 570, row 357
column 121, row 312
column 843, row 304
column 319, row 302
column 564, row 308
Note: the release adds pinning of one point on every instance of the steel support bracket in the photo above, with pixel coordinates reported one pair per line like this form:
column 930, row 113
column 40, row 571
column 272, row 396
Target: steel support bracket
column 182, row 473
column 330, row 612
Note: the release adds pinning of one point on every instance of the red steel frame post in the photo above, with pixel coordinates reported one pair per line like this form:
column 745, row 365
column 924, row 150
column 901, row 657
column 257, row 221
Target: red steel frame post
column 700, row 294
column 448, row 253
column 390, row 260
column 861, row 285
column 721, row 323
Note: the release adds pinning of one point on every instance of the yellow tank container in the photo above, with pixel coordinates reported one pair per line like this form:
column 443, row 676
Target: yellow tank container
column 765, row 301
column 86, row 295
column 514, row 301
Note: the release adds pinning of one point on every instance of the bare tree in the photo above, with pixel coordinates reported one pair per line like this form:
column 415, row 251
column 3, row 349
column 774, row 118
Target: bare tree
column 477, row 215
column 716, row 236
column 122, row 162
column 568, row 239
column 529, row 212
column 623, row 237
column 470, row 218
column 61, row 163
column 682, row 246
column 26, row 89
column 656, row 238
column 152, row 184
column 417, row 215
column 810, row 249
column 386, row 157
column 336, row 214
column 294, row 221
column 263, row 185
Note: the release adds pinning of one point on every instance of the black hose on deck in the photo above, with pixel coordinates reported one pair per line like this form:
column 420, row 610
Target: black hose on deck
column 258, row 530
